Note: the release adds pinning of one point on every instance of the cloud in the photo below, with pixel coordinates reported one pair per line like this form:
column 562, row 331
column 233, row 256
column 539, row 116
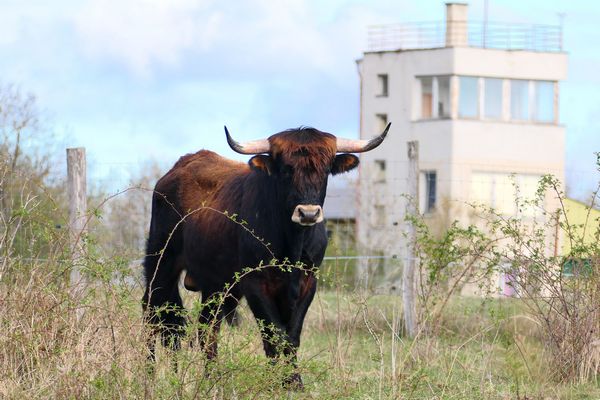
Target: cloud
column 237, row 39
column 140, row 33
column 161, row 77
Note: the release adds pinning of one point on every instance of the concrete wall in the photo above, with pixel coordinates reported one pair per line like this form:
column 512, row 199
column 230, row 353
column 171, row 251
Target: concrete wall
column 453, row 147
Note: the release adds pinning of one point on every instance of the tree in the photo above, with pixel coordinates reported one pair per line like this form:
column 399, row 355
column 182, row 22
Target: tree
column 30, row 208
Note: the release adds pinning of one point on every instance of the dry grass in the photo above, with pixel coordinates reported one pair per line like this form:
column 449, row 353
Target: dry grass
column 55, row 346
column 59, row 341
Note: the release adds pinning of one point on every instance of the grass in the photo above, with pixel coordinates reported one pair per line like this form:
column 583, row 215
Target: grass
column 53, row 345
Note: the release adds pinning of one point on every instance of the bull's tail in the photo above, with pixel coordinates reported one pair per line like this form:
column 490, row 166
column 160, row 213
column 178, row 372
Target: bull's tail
column 162, row 304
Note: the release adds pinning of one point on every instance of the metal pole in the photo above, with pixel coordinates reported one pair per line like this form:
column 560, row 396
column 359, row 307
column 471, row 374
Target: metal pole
column 76, row 186
column 485, row 22
column 408, row 273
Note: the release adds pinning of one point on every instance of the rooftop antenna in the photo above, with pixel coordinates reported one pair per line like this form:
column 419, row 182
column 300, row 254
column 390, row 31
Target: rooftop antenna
column 485, row 23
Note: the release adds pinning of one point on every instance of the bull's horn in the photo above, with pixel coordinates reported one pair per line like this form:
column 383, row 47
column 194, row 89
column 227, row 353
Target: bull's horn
column 253, row 147
column 360, row 146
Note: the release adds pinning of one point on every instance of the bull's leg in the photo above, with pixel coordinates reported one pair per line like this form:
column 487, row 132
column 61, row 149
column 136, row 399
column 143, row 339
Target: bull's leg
column 308, row 287
column 266, row 312
column 162, row 304
column 210, row 323
column 276, row 340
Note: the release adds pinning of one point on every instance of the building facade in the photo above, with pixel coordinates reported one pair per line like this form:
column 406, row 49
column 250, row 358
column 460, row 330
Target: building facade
column 482, row 100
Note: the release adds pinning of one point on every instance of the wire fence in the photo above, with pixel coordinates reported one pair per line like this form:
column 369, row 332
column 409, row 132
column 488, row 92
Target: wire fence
column 350, row 199
column 366, row 221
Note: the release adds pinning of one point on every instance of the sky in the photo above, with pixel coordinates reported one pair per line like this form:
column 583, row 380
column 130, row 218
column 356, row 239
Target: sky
column 136, row 80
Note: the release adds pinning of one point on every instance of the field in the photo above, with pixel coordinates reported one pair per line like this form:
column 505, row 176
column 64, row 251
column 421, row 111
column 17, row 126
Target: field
column 82, row 336
column 54, row 347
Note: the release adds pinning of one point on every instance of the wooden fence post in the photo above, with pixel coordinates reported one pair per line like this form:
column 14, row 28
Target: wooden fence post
column 76, row 186
column 408, row 273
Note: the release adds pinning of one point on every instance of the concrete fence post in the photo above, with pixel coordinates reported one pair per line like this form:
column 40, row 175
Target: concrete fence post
column 77, row 190
column 408, row 273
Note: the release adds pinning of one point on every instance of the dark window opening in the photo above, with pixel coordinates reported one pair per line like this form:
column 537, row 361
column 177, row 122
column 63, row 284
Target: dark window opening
column 443, row 97
column 379, row 171
column 430, row 190
column 382, row 121
column 426, row 97
column 383, row 85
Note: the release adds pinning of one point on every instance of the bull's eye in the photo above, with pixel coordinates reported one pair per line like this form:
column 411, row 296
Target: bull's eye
column 287, row 171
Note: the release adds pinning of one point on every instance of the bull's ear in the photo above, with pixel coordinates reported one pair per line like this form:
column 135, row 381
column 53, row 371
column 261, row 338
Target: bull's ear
column 344, row 163
column 262, row 163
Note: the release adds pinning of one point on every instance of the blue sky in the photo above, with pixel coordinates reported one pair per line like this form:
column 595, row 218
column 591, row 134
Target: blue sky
column 133, row 80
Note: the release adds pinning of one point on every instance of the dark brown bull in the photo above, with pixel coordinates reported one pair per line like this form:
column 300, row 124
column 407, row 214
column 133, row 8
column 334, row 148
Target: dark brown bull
column 279, row 194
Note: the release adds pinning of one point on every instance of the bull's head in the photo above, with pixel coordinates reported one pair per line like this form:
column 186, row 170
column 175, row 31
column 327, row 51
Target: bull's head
column 299, row 162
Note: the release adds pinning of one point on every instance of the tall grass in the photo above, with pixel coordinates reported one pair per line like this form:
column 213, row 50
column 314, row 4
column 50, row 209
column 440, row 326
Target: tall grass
column 56, row 342
column 55, row 346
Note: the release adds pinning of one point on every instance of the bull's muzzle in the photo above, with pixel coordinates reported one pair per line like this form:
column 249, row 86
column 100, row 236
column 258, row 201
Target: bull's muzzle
column 307, row 215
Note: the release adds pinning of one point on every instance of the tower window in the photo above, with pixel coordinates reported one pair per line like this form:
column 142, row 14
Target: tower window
column 501, row 191
column 429, row 194
column 426, row 97
column 379, row 171
column 544, row 101
column 492, row 108
column 468, row 103
column 519, row 100
column 383, row 85
column 382, row 121
column 435, row 96
column 443, row 98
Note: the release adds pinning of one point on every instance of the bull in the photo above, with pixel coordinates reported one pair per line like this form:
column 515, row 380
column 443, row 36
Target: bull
column 278, row 199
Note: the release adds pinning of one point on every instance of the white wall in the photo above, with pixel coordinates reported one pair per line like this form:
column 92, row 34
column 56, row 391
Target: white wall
column 453, row 147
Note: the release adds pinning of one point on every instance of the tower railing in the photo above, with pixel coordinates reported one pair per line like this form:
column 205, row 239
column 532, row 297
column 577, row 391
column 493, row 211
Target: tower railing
column 492, row 35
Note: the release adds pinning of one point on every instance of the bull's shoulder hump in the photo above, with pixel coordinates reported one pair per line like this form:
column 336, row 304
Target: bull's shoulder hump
column 210, row 165
column 205, row 156
column 206, row 162
column 198, row 177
